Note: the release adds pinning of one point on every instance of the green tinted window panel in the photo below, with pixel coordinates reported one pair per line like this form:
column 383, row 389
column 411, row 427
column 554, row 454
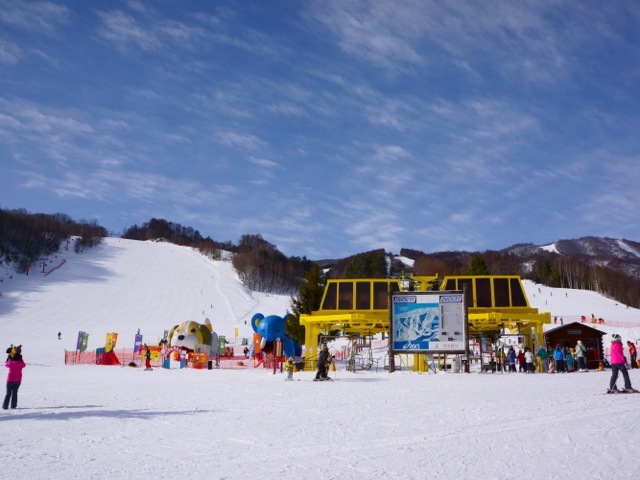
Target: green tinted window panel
column 345, row 296
column 363, row 295
column 483, row 292
column 518, row 298
column 501, row 292
column 330, row 297
column 380, row 295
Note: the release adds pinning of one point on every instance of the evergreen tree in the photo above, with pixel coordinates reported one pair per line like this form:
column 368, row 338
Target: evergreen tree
column 368, row 265
column 309, row 298
column 479, row 266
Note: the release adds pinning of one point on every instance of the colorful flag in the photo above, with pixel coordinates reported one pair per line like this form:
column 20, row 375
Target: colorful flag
column 110, row 344
column 83, row 339
column 137, row 345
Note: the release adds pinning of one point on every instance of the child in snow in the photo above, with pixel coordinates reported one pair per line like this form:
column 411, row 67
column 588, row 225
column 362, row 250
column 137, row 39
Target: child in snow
column 522, row 362
column 15, row 365
column 511, row 355
column 569, row 361
column 633, row 354
column 618, row 362
column 558, row 356
column 147, row 357
column 289, row 367
column 528, row 357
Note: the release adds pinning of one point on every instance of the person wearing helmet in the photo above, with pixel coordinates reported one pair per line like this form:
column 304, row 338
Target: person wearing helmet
column 289, row 366
column 618, row 362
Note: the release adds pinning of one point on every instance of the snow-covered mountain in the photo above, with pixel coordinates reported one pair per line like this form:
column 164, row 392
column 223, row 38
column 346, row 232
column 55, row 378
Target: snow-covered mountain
column 619, row 254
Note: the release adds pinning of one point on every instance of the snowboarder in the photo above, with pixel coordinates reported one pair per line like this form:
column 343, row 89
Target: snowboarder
column 618, row 362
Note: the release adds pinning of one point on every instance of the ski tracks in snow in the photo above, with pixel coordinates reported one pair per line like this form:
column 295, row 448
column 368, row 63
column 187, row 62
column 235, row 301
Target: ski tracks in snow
column 224, row 294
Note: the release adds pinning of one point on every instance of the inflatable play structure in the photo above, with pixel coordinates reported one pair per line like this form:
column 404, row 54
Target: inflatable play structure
column 267, row 331
column 194, row 337
column 360, row 307
column 106, row 355
column 190, row 344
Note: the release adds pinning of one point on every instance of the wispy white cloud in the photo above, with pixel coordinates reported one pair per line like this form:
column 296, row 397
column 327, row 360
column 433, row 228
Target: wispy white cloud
column 377, row 32
column 264, row 163
column 38, row 17
column 513, row 40
column 124, row 31
column 243, row 141
column 9, row 53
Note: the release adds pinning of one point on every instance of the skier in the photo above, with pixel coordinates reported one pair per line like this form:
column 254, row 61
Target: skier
column 147, row 357
column 618, row 362
column 289, row 366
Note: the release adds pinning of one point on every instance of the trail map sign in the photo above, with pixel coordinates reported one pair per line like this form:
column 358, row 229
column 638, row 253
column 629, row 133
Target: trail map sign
column 428, row 322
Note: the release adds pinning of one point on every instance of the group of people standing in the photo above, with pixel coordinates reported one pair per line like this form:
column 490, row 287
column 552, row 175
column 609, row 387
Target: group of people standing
column 563, row 359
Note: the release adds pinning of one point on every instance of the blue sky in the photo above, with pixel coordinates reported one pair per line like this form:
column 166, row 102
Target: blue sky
column 330, row 128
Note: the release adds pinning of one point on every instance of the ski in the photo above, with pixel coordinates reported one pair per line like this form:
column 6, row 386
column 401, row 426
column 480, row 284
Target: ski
column 623, row 391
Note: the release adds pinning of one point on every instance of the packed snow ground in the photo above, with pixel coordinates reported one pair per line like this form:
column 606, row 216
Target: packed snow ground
column 94, row 422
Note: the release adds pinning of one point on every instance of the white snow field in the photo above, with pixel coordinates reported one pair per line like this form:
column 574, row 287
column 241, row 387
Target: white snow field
column 108, row 422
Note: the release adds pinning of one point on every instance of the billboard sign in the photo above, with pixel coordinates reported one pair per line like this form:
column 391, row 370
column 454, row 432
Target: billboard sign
column 428, row 322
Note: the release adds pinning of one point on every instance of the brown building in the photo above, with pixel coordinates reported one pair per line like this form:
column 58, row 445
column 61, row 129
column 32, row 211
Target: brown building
column 568, row 335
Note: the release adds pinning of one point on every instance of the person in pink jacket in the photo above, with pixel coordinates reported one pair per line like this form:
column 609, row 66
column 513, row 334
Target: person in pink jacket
column 15, row 365
column 618, row 362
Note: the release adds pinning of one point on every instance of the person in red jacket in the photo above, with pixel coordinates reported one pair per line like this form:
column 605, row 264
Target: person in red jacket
column 618, row 362
column 15, row 365
column 633, row 354
column 147, row 357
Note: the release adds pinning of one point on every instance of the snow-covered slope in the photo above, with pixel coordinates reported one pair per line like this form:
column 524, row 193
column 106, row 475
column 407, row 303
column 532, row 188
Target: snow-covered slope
column 122, row 286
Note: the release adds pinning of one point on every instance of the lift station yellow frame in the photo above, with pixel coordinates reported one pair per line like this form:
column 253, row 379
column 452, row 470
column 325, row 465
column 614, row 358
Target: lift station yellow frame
column 361, row 306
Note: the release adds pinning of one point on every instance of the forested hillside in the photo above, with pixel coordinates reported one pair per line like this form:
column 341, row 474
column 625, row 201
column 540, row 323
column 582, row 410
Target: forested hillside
column 608, row 266
column 24, row 237
column 573, row 270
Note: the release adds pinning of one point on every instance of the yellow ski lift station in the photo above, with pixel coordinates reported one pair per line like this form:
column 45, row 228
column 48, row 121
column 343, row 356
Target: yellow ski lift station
column 361, row 306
